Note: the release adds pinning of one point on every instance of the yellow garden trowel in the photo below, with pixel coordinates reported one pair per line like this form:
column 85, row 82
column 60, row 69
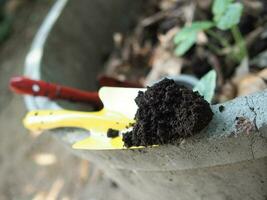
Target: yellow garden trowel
column 118, row 112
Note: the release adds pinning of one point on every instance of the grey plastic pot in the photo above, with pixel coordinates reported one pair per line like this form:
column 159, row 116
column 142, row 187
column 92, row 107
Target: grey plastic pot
column 224, row 161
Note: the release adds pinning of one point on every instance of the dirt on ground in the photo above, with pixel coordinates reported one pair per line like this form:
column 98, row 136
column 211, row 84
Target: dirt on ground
column 38, row 167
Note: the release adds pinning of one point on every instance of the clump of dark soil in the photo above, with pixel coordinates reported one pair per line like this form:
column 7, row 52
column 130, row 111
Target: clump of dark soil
column 167, row 112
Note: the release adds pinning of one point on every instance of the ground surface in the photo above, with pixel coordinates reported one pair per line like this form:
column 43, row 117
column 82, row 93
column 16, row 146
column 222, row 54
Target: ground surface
column 30, row 167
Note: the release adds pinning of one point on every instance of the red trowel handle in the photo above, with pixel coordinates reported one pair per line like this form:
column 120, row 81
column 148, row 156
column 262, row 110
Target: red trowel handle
column 113, row 82
column 23, row 85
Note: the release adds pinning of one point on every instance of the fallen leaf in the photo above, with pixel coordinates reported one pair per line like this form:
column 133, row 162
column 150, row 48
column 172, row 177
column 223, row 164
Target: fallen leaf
column 45, row 159
column 252, row 83
column 55, row 190
column 84, row 171
column 39, row 196
column 167, row 4
column 163, row 64
column 263, row 74
column 228, row 92
column 202, row 38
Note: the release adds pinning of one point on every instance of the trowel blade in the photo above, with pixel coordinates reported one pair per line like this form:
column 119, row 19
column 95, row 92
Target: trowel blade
column 120, row 100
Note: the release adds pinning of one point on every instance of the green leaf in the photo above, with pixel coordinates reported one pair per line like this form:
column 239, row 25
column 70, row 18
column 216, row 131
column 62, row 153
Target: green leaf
column 195, row 27
column 231, row 16
column 203, row 25
column 186, row 44
column 219, row 7
column 187, row 37
column 206, row 86
column 182, row 35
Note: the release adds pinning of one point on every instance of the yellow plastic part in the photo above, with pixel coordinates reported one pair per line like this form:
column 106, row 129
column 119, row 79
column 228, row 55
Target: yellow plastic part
column 92, row 143
column 119, row 111
column 96, row 122
column 99, row 121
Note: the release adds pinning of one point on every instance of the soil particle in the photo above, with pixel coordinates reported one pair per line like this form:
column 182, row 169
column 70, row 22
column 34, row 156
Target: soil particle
column 244, row 125
column 221, row 108
column 112, row 133
column 167, row 112
column 114, row 185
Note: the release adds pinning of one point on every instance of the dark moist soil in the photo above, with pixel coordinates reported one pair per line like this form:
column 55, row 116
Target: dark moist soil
column 221, row 108
column 112, row 133
column 167, row 112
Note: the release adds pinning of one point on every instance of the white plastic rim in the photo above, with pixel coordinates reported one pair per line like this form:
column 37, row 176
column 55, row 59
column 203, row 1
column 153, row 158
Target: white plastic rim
column 34, row 57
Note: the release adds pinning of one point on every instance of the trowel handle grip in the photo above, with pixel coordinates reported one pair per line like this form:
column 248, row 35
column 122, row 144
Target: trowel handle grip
column 26, row 86
column 101, row 121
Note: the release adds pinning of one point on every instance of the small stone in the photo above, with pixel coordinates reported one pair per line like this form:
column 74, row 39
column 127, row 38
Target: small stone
column 112, row 133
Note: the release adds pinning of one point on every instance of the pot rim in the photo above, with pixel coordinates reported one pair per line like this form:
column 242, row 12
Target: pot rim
column 217, row 131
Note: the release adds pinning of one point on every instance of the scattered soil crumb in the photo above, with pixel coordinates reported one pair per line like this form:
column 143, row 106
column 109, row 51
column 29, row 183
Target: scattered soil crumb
column 221, row 108
column 167, row 112
column 130, row 125
column 112, row 133
column 114, row 185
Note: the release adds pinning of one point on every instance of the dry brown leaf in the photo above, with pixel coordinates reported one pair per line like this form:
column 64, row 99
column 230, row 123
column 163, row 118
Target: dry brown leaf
column 166, row 40
column 45, row 159
column 252, row 83
column 55, row 190
column 228, row 92
column 39, row 196
column 167, row 4
column 163, row 64
column 202, row 38
column 84, row 171
column 263, row 73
